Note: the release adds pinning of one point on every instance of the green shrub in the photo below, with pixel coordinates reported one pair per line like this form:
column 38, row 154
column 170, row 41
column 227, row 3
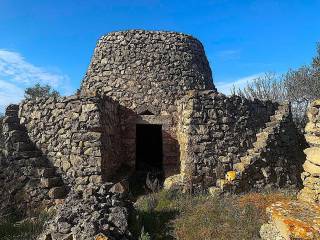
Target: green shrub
column 144, row 235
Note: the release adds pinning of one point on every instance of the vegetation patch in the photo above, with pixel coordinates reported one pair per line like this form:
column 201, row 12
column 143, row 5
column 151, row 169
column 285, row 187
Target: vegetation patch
column 174, row 215
column 13, row 228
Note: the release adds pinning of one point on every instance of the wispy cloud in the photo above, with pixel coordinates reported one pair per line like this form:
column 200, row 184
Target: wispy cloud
column 9, row 93
column 226, row 87
column 16, row 73
column 229, row 54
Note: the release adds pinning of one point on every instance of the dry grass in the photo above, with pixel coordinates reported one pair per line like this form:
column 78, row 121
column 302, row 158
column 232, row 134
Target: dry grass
column 172, row 215
column 13, row 228
column 262, row 200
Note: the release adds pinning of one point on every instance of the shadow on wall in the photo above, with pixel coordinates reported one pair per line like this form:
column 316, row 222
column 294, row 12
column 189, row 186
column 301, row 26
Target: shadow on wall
column 28, row 179
column 139, row 144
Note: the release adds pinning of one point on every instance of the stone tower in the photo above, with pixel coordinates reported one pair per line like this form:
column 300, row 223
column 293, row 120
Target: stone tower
column 148, row 69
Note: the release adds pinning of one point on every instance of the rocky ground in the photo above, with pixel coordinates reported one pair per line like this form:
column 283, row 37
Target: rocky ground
column 100, row 211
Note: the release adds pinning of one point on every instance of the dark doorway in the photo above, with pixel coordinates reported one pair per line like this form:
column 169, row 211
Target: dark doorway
column 149, row 148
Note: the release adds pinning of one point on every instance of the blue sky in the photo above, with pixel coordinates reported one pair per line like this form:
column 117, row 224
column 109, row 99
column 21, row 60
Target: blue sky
column 52, row 41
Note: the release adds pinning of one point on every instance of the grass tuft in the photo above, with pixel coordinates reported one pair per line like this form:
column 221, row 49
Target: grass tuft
column 12, row 228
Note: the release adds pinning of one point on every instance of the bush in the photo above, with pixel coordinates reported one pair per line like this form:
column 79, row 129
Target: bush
column 38, row 91
column 300, row 87
column 144, row 235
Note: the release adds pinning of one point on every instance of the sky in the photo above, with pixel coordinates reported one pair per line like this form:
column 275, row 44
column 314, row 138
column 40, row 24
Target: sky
column 51, row 42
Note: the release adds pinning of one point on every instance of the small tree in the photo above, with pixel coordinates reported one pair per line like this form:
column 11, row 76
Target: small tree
column 300, row 87
column 266, row 87
column 38, row 91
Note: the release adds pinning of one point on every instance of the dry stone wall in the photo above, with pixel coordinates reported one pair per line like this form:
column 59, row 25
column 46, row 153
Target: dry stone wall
column 311, row 167
column 273, row 161
column 28, row 180
column 147, row 69
column 215, row 131
column 34, row 176
column 299, row 219
column 78, row 135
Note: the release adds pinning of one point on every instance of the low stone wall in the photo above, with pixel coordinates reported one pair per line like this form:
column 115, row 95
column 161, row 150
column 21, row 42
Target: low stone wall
column 24, row 171
column 311, row 167
column 215, row 131
column 75, row 134
column 73, row 139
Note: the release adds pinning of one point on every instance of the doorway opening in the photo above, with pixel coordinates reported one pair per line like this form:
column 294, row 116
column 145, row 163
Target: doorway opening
column 149, row 155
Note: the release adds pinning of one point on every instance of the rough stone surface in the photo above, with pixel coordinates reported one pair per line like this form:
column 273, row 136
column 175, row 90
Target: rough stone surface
column 85, row 214
column 78, row 135
column 311, row 167
column 147, row 68
column 272, row 161
column 23, row 170
column 148, row 71
column 75, row 145
column 300, row 219
column 292, row 220
column 217, row 133
column 270, row 232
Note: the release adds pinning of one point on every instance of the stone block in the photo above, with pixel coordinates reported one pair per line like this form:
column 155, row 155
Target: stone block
column 313, row 155
column 311, row 168
column 51, row 182
column 309, row 195
column 313, row 140
column 57, row 192
column 231, row 176
column 101, row 236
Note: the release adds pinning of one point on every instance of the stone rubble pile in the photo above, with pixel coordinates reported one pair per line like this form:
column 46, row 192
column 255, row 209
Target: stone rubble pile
column 311, row 167
column 100, row 210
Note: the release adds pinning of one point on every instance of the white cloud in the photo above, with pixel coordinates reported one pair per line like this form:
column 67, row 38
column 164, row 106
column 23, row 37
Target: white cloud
column 16, row 74
column 225, row 88
column 9, row 93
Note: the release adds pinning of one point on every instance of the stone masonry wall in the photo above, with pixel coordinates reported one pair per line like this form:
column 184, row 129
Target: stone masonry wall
column 28, row 181
column 215, row 131
column 129, row 120
column 273, row 161
column 76, row 134
column 112, row 151
column 311, row 167
column 147, row 69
